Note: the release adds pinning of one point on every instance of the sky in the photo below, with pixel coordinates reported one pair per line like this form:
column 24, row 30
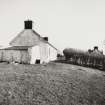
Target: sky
column 68, row 23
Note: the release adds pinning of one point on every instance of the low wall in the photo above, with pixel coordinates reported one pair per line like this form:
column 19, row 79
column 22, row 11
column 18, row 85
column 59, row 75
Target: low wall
column 20, row 56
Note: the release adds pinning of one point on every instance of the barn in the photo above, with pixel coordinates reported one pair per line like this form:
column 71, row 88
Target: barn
column 29, row 47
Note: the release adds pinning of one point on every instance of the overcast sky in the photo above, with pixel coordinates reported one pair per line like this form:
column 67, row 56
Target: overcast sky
column 67, row 23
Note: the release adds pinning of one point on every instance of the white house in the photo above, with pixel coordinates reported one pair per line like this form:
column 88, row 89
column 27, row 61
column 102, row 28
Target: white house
column 29, row 47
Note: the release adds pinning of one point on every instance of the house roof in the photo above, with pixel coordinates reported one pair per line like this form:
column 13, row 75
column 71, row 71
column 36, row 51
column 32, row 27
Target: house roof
column 41, row 38
column 17, row 48
column 52, row 46
column 27, row 37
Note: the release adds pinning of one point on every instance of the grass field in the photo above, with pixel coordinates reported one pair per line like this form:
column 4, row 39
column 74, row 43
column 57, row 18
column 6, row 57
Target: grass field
column 51, row 84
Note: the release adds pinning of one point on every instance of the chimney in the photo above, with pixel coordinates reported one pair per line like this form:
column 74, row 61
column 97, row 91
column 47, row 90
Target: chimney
column 45, row 38
column 96, row 48
column 28, row 24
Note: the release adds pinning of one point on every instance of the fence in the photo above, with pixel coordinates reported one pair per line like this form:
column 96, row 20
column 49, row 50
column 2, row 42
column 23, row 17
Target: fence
column 78, row 57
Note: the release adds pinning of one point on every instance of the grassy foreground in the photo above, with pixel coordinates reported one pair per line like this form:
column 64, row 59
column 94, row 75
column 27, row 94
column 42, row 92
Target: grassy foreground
column 51, row 84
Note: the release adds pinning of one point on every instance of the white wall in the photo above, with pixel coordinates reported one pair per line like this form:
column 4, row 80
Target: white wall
column 52, row 53
column 44, row 52
column 35, row 54
column 48, row 53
